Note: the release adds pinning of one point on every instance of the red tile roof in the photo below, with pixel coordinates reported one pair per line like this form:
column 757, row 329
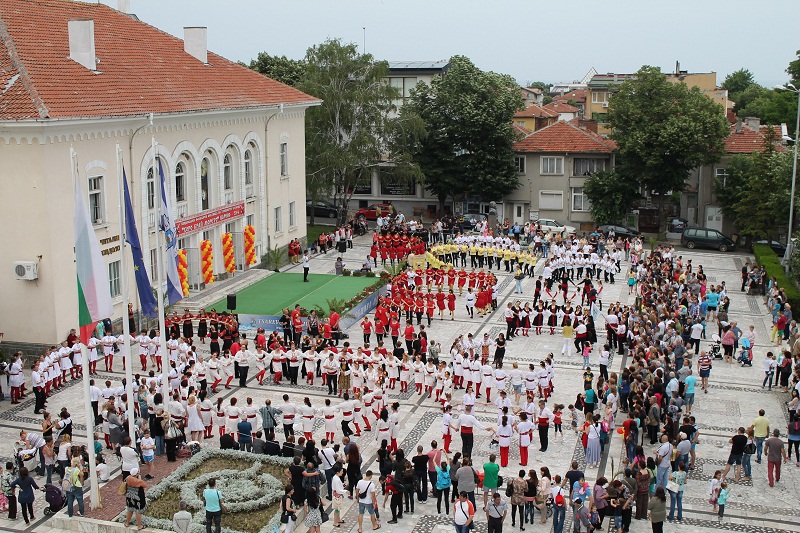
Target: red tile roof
column 578, row 95
column 563, row 137
column 142, row 69
column 561, row 107
column 521, row 130
column 535, row 111
column 747, row 140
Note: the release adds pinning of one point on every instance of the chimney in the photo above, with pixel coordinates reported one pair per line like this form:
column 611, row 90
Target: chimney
column 195, row 43
column 752, row 122
column 738, row 125
column 124, row 6
column 81, row 43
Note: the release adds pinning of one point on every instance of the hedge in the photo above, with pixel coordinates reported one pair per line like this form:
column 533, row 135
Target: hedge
column 766, row 257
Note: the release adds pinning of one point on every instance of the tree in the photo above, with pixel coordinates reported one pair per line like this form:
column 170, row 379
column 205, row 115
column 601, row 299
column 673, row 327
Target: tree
column 738, row 81
column 664, row 130
column 469, row 148
column 793, row 70
column 611, row 196
column 755, row 190
column 351, row 133
column 282, row 69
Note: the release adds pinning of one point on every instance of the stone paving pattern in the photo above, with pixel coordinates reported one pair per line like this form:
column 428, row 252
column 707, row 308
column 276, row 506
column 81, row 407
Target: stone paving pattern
column 733, row 401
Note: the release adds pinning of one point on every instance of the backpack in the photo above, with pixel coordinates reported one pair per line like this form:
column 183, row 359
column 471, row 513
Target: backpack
column 633, row 435
column 560, row 502
column 70, row 479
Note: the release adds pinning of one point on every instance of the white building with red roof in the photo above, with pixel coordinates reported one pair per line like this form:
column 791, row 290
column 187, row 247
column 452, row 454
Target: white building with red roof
column 88, row 77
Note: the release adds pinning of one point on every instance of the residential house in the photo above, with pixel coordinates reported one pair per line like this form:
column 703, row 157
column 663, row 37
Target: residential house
column 535, row 117
column 380, row 186
column 699, row 204
column 554, row 163
column 576, row 98
column 601, row 88
column 532, row 95
column 89, row 78
column 566, row 112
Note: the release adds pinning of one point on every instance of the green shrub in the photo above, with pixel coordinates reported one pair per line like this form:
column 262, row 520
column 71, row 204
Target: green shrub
column 767, row 258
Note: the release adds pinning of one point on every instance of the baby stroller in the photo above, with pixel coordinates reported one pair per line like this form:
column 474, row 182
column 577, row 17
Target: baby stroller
column 54, row 496
column 28, row 458
column 716, row 347
column 746, row 356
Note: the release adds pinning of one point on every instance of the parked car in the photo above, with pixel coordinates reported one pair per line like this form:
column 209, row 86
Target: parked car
column 554, row 226
column 777, row 247
column 706, row 238
column 467, row 221
column 677, row 225
column 619, row 231
column 371, row 212
column 322, row 209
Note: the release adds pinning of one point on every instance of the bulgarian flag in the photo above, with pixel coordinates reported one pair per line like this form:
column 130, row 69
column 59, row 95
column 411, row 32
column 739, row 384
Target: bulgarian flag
column 94, row 296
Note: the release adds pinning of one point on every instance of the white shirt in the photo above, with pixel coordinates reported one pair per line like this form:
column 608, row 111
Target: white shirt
column 368, row 487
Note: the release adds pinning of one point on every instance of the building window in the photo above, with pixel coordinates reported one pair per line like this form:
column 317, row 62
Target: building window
column 153, row 265
column 583, row 166
column 403, row 86
column 230, row 227
column 284, row 158
column 580, row 202
column 520, row 160
column 248, row 167
column 278, row 220
column 204, row 192
column 151, row 190
column 180, row 182
column 292, row 215
column 114, row 285
column 599, row 97
column 227, row 172
column 552, row 165
column 183, row 244
column 250, row 220
column 96, row 208
column 551, row 200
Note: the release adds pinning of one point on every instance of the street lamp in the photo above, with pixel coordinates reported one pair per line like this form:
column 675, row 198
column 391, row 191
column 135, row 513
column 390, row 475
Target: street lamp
column 791, row 88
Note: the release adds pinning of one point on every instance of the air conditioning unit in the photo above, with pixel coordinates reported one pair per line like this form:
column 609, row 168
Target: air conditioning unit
column 27, row 270
column 605, row 104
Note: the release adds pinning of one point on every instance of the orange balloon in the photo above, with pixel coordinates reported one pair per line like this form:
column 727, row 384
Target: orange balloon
column 620, row 430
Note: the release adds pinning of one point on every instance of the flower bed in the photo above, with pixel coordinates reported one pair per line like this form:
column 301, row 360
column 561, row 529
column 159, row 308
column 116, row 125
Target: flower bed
column 251, row 488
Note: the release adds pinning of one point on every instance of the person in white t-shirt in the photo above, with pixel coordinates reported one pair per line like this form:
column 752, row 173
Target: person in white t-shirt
column 148, row 446
column 367, row 500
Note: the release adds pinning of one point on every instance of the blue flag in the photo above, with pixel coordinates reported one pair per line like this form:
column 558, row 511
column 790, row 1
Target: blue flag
column 167, row 225
column 146, row 297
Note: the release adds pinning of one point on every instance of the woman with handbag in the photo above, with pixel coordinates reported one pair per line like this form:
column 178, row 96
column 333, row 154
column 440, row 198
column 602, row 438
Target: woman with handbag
column 135, row 501
column 314, row 516
column 288, row 512
column 675, row 486
column 172, row 436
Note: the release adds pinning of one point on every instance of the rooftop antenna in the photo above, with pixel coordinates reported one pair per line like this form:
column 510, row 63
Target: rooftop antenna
column 364, row 47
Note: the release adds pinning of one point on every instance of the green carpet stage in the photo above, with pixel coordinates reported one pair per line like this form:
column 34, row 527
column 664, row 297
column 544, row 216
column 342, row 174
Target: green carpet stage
column 281, row 290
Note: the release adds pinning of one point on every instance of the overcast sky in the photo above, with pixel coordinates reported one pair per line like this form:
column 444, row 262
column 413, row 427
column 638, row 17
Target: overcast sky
column 530, row 40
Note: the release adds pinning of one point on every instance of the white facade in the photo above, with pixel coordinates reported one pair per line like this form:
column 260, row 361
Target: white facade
column 254, row 156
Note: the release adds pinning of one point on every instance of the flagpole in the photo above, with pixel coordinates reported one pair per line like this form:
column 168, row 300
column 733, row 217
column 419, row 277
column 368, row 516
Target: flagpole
column 160, row 269
column 94, row 493
column 126, row 328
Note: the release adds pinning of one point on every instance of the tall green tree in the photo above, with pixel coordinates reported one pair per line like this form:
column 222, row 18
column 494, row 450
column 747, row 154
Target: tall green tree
column 664, row 130
column 755, row 193
column 353, row 131
column 468, row 151
column 280, row 68
column 738, row 81
column 611, row 196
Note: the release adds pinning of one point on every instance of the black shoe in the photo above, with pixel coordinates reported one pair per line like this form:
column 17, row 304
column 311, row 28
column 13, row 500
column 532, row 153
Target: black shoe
column 392, row 522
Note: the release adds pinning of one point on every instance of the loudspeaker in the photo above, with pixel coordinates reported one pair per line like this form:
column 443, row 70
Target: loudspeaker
column 231, row 302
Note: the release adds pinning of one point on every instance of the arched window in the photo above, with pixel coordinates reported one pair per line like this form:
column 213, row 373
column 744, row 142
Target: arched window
column 248, row 167
column 151, row 189
column 227, row 172
column 180, row 182
column 204, row 165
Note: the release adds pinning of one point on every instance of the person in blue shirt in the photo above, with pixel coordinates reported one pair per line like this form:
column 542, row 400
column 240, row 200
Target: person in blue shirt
column 688, row 392
column 213, row 501
column 245, row 430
